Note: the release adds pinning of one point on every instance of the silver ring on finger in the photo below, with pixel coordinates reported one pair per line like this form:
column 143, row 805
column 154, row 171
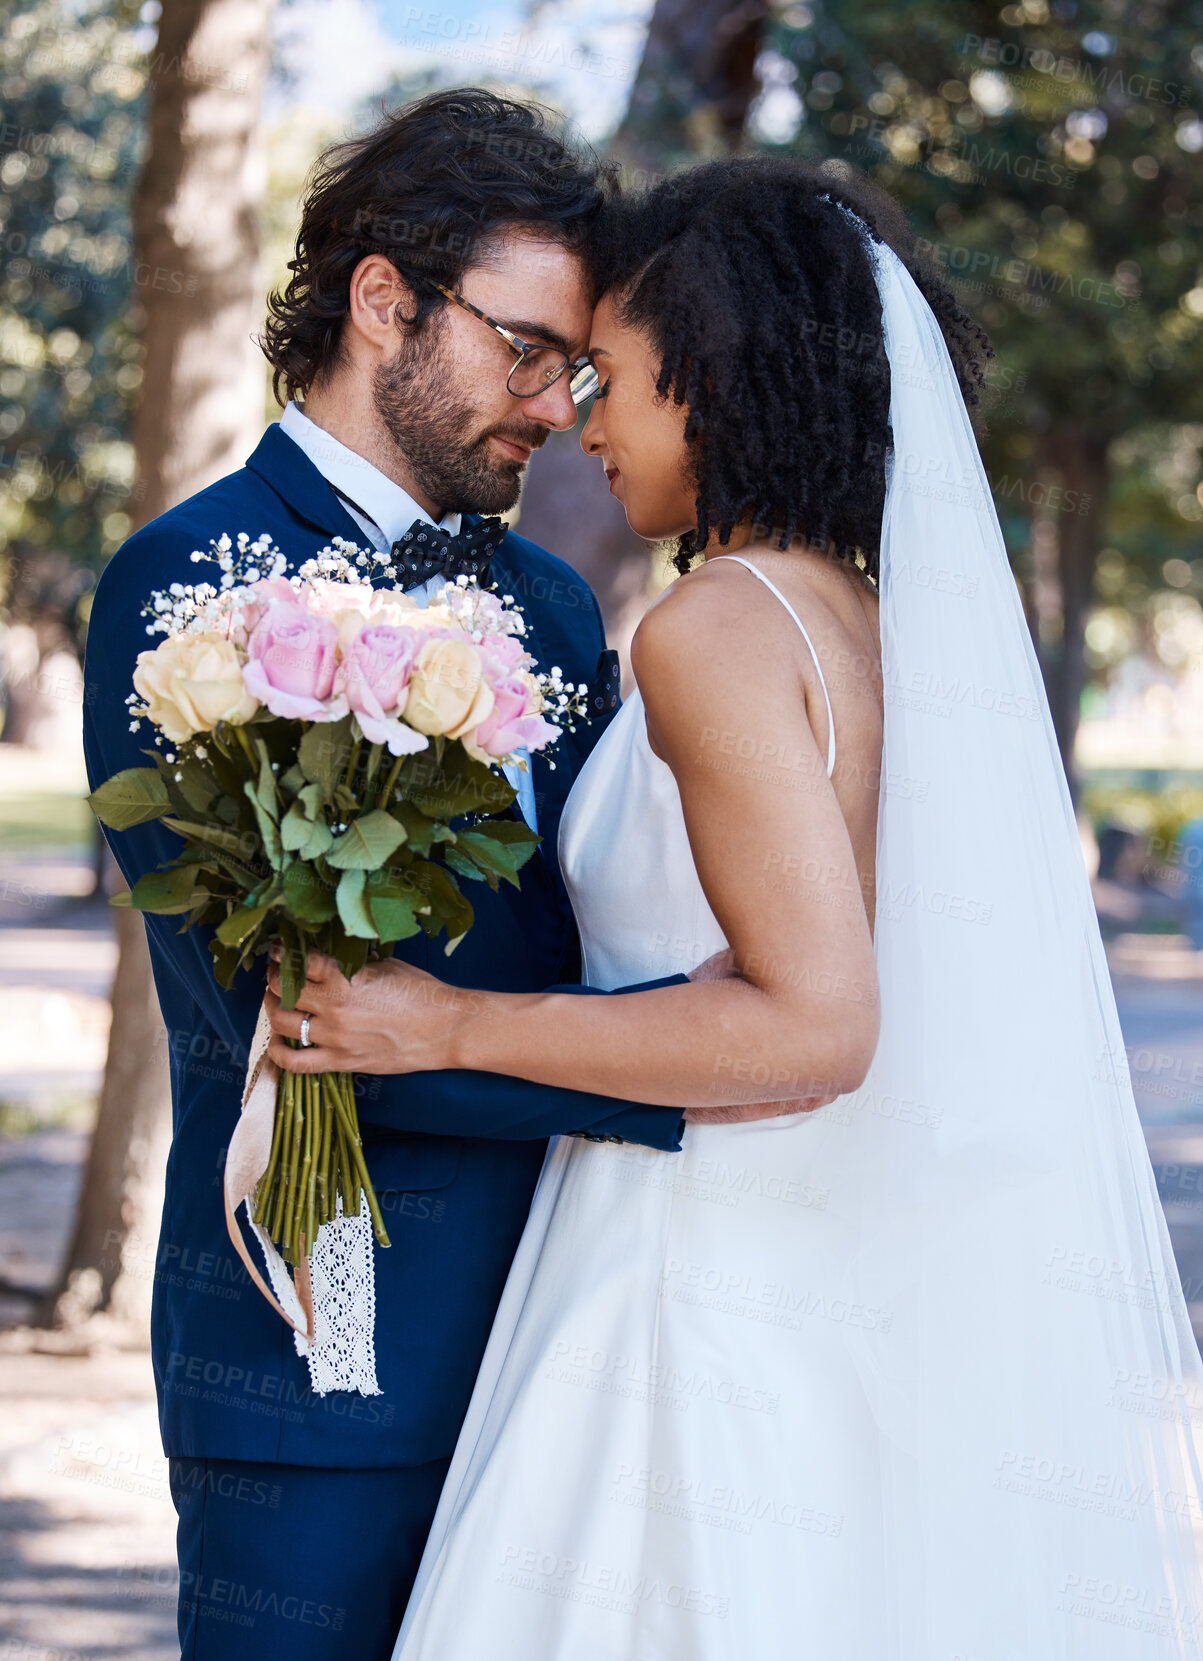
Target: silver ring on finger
column 306, row 1041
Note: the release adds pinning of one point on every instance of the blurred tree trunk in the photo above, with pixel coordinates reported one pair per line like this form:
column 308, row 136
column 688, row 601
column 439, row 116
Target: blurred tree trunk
column 197, row 289
column 695, row 82
column 691, row 96
column 1066, row 532
column 1081, row 459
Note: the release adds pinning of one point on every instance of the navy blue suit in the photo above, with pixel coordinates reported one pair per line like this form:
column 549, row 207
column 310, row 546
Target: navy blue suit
column 454, row 1155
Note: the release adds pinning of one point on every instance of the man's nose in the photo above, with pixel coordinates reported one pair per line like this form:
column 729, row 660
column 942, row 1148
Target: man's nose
column 553, row 407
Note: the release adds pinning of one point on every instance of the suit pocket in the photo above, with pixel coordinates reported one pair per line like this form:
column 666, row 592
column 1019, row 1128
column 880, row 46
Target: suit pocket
column 403, row 1164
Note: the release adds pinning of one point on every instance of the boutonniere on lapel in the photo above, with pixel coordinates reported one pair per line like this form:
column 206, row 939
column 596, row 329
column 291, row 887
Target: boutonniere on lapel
column 330, row 754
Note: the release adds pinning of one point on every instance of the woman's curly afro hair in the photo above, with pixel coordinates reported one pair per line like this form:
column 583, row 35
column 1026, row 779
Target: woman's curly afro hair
column 758, row 297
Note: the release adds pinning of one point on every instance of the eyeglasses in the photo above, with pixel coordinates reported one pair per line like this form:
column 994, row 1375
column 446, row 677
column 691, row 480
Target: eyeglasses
column 536, row 367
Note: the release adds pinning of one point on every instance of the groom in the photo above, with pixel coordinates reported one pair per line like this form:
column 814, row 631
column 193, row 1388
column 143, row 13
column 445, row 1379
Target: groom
column 302, row 1518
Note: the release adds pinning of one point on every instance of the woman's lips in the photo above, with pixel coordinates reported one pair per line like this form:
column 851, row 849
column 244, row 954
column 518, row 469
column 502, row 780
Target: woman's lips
column 611, row 475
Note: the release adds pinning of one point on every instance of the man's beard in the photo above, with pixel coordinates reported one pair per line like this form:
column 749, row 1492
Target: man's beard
column 431, row 427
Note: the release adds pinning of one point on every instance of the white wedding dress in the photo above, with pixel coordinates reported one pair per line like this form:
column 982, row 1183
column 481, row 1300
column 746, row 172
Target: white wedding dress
column 907, row 1378
column 670, row 1380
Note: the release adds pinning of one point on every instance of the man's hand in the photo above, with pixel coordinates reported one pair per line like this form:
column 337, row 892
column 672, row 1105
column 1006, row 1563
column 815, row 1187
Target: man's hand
column 722, row 967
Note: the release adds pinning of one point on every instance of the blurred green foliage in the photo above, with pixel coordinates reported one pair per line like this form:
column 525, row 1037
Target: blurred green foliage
column 1049, row 154
column 74, row 81
column 1158, row 815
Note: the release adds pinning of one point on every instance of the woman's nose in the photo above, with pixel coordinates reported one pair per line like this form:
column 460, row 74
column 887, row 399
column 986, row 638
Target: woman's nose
column 591, row 431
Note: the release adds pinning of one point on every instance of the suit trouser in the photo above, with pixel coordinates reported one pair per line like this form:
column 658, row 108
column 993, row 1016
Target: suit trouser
column 294, row 1562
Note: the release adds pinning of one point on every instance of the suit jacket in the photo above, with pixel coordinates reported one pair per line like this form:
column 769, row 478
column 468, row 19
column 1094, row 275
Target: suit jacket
column 454, row 1155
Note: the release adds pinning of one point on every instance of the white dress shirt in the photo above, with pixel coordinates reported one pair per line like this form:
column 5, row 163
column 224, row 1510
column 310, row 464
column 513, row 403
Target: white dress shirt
column 393, row 511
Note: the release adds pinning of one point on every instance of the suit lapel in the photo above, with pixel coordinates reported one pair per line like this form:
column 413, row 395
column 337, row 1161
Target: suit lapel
column 551, row 784
column 308, row 495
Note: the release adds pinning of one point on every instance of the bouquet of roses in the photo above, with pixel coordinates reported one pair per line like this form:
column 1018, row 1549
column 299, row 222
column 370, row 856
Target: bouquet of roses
column 329, row 753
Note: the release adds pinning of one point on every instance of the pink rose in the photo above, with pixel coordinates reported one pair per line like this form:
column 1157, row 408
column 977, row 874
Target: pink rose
column 374, row 678
column 262, row 594
column 502, row 654
column 513, row 724
column 291, row 662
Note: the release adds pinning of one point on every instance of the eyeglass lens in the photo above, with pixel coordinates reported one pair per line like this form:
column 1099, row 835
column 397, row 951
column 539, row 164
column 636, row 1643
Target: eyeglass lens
column 537, row 370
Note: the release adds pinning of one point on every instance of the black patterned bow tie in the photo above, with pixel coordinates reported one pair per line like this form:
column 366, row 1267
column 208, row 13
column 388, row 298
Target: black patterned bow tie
column 428, row 551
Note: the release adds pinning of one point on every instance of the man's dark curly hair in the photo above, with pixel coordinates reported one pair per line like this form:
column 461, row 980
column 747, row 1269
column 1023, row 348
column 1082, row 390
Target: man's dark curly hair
column 758, row 298
column 427, row 187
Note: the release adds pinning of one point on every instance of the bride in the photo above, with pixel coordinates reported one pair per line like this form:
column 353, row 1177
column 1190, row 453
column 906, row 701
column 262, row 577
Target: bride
column 892, row 1362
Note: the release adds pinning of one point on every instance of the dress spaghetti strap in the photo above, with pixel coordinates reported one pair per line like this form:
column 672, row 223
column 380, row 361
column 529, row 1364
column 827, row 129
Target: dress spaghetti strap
column 772, row 586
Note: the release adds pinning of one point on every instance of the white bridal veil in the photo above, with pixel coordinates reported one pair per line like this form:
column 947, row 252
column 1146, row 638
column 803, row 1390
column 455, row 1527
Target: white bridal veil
column 1040, row 1391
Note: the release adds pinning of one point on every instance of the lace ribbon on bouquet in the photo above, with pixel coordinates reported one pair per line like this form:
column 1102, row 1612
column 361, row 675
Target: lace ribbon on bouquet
column 331, row 1303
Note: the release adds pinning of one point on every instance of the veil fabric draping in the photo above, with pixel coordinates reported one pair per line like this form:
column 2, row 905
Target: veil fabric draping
column 1042, row 1361
column 1016, row 1447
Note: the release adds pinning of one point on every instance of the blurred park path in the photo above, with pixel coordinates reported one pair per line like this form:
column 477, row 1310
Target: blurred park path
column 87, row 1527
column 86, row 1521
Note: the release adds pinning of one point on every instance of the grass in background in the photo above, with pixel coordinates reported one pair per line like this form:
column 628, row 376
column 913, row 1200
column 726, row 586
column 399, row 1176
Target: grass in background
column 44, row 820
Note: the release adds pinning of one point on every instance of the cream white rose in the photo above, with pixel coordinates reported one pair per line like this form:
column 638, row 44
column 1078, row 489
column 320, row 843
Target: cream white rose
column 448, row 693
column 190, row 682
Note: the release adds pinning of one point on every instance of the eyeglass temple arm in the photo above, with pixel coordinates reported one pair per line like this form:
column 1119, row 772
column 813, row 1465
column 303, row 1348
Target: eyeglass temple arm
column 519, row 345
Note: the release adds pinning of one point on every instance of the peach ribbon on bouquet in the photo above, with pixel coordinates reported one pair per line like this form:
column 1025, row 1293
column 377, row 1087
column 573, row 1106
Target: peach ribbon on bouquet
column 329, row 1301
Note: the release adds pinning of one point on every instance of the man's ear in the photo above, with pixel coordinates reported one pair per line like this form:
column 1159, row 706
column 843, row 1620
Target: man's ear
column 379, row 299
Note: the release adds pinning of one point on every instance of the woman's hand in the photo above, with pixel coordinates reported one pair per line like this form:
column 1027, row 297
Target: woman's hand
column 721, row 967
column 389, row 1018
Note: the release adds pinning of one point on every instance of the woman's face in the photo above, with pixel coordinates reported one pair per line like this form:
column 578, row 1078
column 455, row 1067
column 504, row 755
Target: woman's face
column 639, row 437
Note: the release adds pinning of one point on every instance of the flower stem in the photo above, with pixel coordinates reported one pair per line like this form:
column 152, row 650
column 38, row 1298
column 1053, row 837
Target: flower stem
column 386, row 795
column 240, row 734
column 290, row 1204
column 263, row 1191
column 314, row 1132
column 346, row 1101
column 284, row 1114
column 324, row 1207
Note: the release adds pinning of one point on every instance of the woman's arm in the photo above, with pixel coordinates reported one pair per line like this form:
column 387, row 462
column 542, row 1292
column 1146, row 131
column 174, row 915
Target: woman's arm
column 799, row 1019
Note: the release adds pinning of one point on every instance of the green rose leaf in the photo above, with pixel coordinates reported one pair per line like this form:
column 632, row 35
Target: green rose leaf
column 191, row 786
column 167, row 893
column 465, row 867
column 301, row 835
column 225, row 963
column 307, row 897
column 447, row 786
column 420, row 832
column 448, row 907
column 394, row 903
column 268, row 829
column 241, row 923
column 294, row 964
column 502, row 847
column 240, row 845
column 311, row 799
column 324, row 751
column 132, row 797
column 352, row 905
column 367, row 842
